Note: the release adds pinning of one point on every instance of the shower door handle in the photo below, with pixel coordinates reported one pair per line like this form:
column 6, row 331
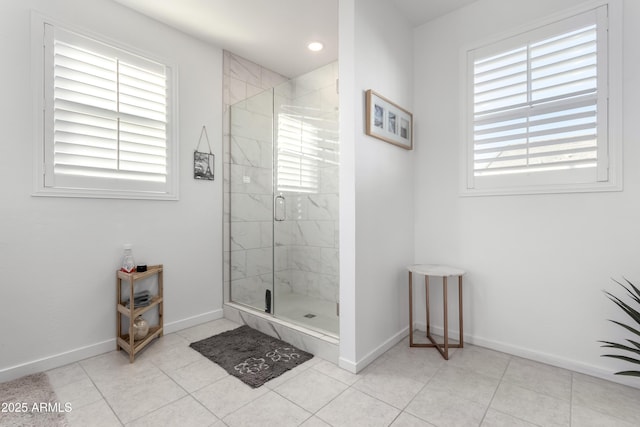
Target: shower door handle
column 280, row 208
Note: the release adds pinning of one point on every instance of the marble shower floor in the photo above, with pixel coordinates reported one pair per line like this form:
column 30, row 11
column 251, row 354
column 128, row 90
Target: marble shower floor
column 172, row 385
column 295, row 307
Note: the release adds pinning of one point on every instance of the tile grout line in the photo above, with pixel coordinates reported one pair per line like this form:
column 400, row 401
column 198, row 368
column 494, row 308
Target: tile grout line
column 571, row 400
column 404, row 410
column 104, row 398
column 258, row 397
column 188, row 393
column 496, row 390
column 315, row 414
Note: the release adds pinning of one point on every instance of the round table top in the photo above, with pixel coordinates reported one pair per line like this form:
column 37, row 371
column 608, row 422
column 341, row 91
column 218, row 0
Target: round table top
column 436, row 270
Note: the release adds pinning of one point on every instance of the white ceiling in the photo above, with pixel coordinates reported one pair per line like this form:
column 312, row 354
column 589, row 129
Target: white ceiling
column 274, row 33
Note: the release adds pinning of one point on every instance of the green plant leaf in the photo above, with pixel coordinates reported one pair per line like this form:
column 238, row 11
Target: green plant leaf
column 629, row 373
column 636, row 290
column 625, row 307
column 633, row 313
column 625, row 358
column 620, row 347
column 635, row 331
column 636, row 295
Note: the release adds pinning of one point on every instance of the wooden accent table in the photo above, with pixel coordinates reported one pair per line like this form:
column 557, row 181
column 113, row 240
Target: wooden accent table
column 444, row 272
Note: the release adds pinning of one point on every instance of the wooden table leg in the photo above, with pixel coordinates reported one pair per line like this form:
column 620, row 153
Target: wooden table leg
column 426, row 291
column 460, row 310
column 118, row 319
column 410, row 309
column 446, row 318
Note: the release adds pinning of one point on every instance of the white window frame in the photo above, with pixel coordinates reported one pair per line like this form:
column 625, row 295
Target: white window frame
column 91, row 187
column 608, row 176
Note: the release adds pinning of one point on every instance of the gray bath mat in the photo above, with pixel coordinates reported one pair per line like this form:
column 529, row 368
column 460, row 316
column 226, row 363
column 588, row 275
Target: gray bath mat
column 30, row 401
column 250, row 355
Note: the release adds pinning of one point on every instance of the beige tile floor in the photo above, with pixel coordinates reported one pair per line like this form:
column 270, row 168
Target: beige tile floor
column 171, row 385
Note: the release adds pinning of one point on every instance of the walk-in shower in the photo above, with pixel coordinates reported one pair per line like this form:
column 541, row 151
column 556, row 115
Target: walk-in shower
column 283, row 201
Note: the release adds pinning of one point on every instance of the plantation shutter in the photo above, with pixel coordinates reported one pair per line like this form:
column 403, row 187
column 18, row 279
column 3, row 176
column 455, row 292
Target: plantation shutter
column 539, row 103
column 299, row 156
column 107, row 117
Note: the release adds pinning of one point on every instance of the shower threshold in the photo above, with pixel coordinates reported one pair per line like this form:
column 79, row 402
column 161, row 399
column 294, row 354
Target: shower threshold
column 321, row 344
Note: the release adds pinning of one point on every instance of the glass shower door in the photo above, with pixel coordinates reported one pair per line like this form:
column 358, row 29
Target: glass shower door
column 251, row 202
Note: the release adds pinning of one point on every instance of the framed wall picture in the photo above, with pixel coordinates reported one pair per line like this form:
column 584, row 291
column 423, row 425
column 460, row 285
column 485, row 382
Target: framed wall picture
column 203, row 165
column 388, row 121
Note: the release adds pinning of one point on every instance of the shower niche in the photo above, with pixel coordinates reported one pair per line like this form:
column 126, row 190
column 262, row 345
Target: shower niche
column 283, row 157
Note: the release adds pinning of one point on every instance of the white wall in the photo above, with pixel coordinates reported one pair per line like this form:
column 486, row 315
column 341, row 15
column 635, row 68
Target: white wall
column 58, row 256
column 348, row 100
column 379, row 53
column 537, row 264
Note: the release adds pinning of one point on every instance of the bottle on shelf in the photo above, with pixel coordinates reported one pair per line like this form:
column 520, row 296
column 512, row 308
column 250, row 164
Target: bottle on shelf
column 128, row 264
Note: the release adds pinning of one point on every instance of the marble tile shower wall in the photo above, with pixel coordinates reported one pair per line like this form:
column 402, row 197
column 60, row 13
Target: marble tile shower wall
column 248, row 154
column 310, row 233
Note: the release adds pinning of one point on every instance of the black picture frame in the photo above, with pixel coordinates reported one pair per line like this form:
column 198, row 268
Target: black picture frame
column 203, row 166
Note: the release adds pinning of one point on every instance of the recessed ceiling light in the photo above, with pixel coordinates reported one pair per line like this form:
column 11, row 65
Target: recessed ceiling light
column 315, row 46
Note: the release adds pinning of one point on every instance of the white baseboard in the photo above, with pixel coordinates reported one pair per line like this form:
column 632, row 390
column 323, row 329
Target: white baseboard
column 57, row 360
column 75, row 355
column 554, row 360
column 380, row 350
column 179, row 325
column 348, row 365
column 355, row 367
column 536, row 356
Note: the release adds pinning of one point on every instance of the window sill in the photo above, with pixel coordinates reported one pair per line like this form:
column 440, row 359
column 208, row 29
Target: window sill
column 542, row 189
column 97, row 194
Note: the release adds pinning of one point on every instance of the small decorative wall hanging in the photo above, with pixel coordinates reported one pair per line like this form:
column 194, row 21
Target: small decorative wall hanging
column 203, row 163
column 388, row 122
